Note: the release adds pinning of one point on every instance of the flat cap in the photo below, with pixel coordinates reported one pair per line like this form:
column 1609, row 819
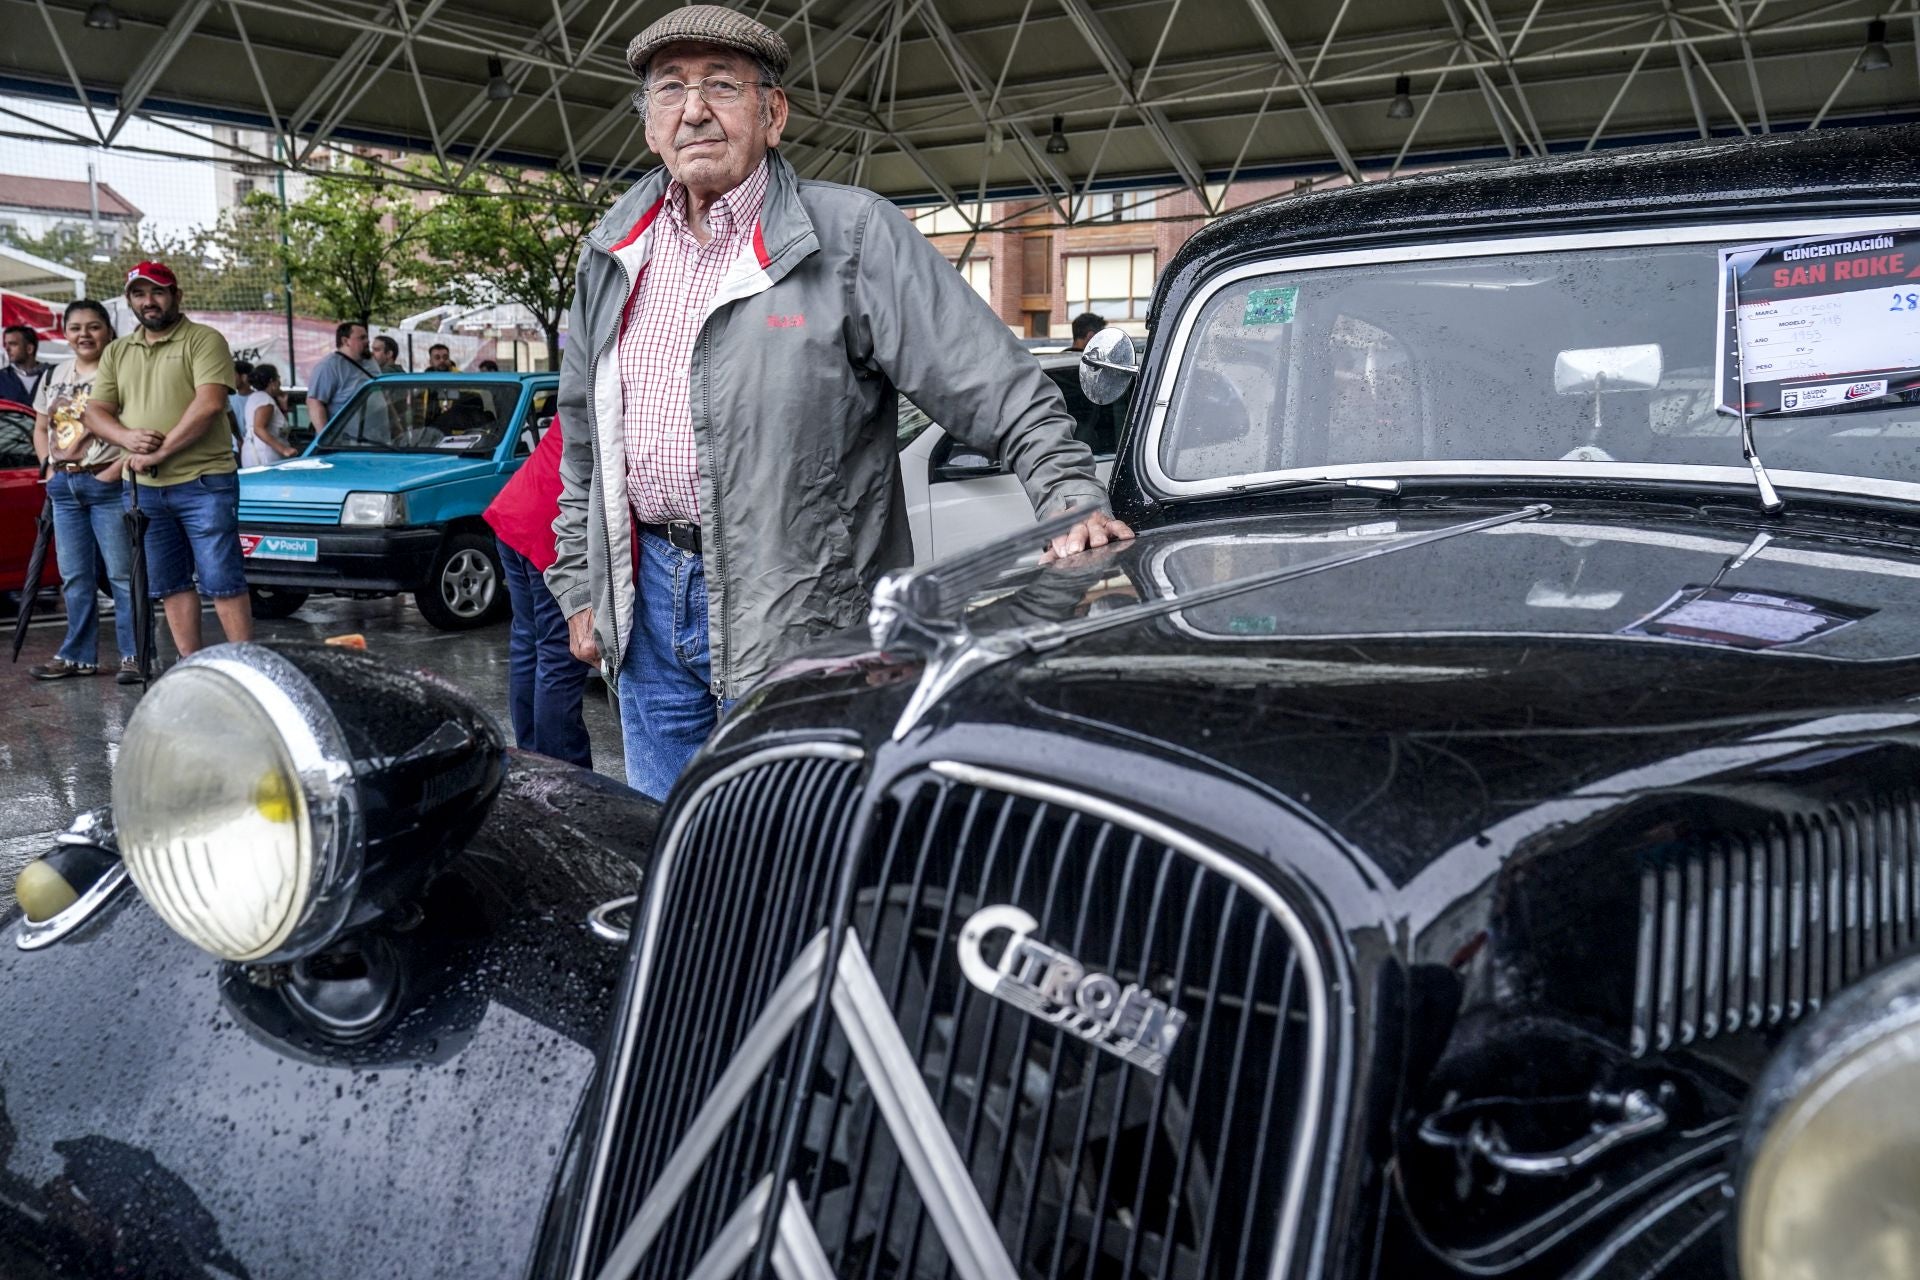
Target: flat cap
column 710, row 24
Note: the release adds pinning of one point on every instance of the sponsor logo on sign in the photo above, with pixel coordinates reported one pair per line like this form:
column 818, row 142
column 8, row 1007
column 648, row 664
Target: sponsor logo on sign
column 1831, row 395
column 1052, row 985
column 267, row 546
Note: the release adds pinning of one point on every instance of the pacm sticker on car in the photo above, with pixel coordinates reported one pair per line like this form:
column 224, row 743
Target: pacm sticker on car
column 1271, row 306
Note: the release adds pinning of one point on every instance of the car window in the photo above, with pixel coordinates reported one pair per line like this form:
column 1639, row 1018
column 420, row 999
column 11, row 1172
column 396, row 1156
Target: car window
column 1095, row 425
column 1461, row 360
column 539, row 418
column 16, row 439
column 439, row 417
column 912, row 423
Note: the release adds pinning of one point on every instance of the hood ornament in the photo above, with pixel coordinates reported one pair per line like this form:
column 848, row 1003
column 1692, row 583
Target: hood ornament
column 1127, row 1022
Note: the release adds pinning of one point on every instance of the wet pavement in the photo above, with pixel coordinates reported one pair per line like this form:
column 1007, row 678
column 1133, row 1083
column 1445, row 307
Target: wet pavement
column 58, row 738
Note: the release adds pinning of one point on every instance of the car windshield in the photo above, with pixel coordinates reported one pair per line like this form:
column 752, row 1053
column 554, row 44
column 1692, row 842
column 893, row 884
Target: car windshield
column 16, row 439
column 438, row 417
column 1480, row 359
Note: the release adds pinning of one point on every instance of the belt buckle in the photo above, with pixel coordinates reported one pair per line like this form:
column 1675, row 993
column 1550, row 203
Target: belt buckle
column 684, row 534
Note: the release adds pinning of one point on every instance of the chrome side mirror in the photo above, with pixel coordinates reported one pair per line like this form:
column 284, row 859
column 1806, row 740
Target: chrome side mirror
column 1107, row 365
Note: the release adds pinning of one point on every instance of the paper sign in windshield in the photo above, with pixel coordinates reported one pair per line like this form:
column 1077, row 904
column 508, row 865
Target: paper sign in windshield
column 1743, row 619
column 459, row 442
column 1824, row 324
column 1271, row 306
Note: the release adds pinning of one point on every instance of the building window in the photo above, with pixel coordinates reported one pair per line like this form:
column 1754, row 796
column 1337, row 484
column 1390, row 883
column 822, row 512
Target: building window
column 1114, row 286
column 979, row 274
column 1119, row 206
column 946, row 219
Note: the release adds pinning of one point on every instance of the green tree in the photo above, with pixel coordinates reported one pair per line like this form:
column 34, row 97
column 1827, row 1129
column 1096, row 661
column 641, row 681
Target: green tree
column 354, row 244
column 235, row 265
column 515, row 238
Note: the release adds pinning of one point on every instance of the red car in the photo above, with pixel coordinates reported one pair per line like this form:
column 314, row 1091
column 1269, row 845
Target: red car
column 21, row 496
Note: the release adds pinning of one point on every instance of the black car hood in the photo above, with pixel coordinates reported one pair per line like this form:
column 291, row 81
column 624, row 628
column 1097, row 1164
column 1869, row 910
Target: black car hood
column 1468, row 692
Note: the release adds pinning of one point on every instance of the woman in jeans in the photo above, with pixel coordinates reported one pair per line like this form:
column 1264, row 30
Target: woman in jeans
column 89, row 524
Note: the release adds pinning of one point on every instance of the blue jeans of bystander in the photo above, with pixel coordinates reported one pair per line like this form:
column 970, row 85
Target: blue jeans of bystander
column 193, row 532
column 89, row 522
column 545, row 682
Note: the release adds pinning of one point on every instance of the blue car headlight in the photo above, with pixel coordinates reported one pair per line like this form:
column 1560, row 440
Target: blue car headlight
column 377, row 509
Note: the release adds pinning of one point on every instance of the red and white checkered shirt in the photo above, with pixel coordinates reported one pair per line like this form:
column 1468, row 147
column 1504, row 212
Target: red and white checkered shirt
column 663, row 322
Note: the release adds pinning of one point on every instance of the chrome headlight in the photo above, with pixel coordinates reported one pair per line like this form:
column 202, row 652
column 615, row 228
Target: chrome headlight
column 1832, row 1152
column 268, row 798
column 374, row 509
column 238, row 814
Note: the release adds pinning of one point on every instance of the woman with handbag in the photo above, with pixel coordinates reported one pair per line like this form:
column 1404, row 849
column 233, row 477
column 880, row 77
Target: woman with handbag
column 83, row 479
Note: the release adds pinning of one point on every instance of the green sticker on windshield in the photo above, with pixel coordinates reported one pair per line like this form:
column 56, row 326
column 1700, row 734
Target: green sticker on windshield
column 1271, row 306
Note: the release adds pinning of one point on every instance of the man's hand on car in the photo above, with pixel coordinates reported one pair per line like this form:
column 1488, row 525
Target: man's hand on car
column 580, row 637
column 1097, row 530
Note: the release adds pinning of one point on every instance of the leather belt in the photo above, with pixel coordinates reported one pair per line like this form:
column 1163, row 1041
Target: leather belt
column 684, row 534
column 75, row 468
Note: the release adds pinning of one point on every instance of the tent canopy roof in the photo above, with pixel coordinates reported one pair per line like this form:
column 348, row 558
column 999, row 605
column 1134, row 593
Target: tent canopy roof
column 939, row 100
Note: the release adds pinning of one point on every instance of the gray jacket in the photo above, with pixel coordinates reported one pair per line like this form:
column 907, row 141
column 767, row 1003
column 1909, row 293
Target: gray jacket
column 835, row 304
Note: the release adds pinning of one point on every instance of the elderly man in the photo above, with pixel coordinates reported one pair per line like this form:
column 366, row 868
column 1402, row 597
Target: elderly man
column 739, row 336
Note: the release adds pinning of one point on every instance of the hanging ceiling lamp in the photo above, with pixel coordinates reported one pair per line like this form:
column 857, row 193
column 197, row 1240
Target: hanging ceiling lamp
column 1874, row 56
column 498, row 90
column 1401, row 108
column 1057, row 143
column 101, row 17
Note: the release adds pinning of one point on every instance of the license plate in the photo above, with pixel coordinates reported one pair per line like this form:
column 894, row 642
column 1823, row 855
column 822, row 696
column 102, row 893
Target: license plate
column 269, row 546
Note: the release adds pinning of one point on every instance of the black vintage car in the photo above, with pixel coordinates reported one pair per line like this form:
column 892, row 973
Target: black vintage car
column 1471, row 831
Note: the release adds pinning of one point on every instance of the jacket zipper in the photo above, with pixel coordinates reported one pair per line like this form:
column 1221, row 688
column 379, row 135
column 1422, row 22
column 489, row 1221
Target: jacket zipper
column 716, row 581
column 593, row 414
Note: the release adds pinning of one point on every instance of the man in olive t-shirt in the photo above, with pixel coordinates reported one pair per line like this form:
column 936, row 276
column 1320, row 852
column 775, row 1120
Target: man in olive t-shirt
column 161, row 394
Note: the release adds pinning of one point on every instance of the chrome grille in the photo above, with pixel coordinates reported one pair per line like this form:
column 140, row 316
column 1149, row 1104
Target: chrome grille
column 1086, row 1165
column 1747, row 932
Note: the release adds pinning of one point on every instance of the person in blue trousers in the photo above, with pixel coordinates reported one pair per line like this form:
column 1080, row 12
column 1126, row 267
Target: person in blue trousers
column 546, row 684
column 89, row 525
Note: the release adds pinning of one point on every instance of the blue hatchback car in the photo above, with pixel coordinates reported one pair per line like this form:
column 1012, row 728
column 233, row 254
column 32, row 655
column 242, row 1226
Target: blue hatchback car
column 387, row 498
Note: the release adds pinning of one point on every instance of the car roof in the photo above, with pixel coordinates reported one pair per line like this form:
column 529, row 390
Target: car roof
column 1841, row 172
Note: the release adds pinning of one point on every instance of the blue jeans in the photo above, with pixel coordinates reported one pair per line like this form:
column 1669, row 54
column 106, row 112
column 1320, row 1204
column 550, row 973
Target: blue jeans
column 88, row 519
column 193, row 531
column 545, row 682
column 667, row 707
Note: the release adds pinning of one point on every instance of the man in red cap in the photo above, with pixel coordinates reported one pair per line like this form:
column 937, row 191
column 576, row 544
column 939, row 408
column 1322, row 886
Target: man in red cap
column 161, row 394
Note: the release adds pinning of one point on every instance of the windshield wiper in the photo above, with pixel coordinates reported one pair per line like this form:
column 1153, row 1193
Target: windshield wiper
column 1372, row 484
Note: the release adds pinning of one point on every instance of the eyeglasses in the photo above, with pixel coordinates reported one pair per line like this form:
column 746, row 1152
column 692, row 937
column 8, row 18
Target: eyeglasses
column 716, row 91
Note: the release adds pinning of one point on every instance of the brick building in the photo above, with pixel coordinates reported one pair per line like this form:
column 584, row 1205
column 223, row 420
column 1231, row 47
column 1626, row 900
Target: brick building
column 1037, row 273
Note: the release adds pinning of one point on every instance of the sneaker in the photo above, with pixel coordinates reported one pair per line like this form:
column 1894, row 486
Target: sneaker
column 129, row 672
column 60, row 669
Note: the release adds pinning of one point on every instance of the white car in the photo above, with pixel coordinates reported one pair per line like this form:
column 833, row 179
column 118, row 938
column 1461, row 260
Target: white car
column 958, row 497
